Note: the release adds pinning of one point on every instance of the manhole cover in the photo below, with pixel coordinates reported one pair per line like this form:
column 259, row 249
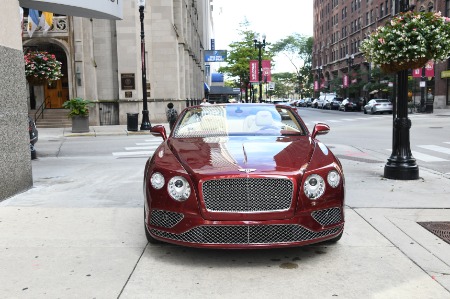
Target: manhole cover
column 440, row 229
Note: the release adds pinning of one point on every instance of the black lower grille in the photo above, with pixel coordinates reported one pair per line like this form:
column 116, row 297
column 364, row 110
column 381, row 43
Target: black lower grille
column 246, row 234
column 165, row 218
column 248, row 194
column 328, row 216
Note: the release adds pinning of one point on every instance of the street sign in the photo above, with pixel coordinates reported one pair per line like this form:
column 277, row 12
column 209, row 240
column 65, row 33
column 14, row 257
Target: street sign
column 215, row 55
column 271, row 85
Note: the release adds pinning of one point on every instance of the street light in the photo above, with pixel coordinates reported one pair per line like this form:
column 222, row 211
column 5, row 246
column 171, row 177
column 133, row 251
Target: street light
column 319, row 71
column 145, row 125
column 401, row 164
column 260, row 45
column 350, row 59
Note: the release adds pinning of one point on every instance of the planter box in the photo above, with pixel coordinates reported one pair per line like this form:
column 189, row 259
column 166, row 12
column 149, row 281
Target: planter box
column 80, row 124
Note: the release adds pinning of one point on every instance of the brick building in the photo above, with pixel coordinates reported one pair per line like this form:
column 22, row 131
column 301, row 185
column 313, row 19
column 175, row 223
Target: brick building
column 339, row 28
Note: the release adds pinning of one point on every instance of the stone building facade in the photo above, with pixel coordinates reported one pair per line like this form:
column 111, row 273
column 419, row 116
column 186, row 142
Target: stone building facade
column 102, row 59
column 341, row 25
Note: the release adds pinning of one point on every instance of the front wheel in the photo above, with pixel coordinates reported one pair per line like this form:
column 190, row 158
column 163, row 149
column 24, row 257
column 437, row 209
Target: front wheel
column 365, row 111
column 335, row 239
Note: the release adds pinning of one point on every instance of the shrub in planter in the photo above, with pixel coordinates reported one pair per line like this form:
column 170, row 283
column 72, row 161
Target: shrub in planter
column 79, row 112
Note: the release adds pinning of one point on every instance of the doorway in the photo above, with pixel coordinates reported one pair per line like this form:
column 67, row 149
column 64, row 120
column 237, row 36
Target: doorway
column 56, row 92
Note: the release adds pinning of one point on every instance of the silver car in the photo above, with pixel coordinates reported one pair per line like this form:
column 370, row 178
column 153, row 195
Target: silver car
column 378, row 106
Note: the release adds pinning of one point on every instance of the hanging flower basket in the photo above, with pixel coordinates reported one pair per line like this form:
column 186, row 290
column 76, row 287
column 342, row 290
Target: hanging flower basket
column 41, row 67
column 408, row 40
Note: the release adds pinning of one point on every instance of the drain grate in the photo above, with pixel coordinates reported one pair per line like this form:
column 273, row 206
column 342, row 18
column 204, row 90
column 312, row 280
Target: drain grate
column 440, row 229
column 357, row 159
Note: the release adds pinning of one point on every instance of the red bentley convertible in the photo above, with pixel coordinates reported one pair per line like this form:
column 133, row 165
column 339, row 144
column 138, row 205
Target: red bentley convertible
column 243, row 176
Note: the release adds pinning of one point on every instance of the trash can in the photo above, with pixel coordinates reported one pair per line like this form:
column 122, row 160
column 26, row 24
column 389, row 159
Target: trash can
column 132, row 121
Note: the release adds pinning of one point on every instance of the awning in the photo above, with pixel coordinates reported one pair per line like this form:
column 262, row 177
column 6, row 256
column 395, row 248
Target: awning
column 206, row 87
column 373, row 91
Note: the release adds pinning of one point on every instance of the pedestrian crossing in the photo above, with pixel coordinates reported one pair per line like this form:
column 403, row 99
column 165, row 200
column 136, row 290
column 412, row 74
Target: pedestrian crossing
column 430, row 152
column 141, row 150
column 311, row 124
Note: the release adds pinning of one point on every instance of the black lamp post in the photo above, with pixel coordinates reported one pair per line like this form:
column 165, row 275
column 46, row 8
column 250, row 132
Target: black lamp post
column 260, row 45
column 145, row 125
column 319, row 71
column 350, row 59
column 401, row 164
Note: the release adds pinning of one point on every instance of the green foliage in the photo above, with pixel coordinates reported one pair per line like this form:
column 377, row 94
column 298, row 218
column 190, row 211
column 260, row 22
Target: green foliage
column 298, row 50
column 240, row 54
column 285, row 84
column 78, row 107
column 409, row 36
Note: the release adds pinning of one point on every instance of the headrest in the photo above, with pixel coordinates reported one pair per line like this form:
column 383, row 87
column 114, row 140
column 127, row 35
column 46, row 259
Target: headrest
column 263, row 118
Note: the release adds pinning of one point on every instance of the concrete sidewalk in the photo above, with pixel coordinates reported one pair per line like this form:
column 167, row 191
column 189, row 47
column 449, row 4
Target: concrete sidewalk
column 95, row 131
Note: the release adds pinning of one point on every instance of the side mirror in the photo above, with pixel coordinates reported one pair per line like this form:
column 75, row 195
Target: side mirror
column 159, row 131
column 320, row 129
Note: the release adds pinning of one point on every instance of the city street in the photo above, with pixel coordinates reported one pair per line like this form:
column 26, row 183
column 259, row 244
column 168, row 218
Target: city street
column 79, row 232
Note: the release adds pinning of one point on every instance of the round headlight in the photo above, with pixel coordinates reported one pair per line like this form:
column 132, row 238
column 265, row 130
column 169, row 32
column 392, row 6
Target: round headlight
column 157, row 180
column 333, row 178
column 314, row 186
column 179, row 188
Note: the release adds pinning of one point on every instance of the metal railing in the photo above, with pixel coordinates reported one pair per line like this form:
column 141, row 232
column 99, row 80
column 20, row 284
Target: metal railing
column 40, row 111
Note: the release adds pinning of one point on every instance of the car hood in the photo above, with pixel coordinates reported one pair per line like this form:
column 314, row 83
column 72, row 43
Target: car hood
column 234, row 155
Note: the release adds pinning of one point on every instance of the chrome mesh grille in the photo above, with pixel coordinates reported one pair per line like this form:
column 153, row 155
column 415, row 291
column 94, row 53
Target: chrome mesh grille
column 246, row 234
column 327, row 217
column 247, row 194
column 165, row 218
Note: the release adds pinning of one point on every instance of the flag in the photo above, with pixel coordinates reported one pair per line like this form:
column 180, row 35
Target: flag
column 46, row 21
column 33, row 21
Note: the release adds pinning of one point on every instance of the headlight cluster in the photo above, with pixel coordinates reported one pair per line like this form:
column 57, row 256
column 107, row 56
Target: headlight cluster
column 178, row 187
column 314, row 186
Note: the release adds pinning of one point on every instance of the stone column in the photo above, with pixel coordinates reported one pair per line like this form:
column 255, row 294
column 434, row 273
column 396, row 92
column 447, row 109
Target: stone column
column 15, row 158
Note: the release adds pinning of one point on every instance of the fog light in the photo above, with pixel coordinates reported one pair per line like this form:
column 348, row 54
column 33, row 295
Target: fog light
column 157, row 180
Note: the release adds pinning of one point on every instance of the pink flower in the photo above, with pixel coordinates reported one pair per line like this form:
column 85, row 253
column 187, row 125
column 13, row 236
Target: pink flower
column 381, row 40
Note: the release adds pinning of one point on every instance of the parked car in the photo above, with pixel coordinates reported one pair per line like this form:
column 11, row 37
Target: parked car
column 314, row 103
column 33, row 137
column 349, row 105
column 238, row 176
column 378, row 106
column 301, row 103
column 324, row 99
column 308, row 102
column 333, row 104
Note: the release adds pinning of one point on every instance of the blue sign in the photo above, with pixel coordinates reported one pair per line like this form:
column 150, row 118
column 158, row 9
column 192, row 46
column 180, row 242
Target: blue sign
column 215, row 55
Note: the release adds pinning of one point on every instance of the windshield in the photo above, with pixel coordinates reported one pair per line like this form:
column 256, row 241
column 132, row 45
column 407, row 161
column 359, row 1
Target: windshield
column 237, row 119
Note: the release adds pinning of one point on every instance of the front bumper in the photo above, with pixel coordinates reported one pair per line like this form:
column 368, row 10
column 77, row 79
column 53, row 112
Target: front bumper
column 194, row 231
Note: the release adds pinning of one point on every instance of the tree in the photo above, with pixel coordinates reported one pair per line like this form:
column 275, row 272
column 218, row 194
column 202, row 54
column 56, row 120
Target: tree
column 285, row 84
column 298, row 50
column 239, row 56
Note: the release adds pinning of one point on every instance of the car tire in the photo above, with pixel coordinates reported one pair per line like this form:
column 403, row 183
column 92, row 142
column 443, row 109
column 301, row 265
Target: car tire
column 33, row 152
column 372, row 111
column 365, row 111
column 335, row 239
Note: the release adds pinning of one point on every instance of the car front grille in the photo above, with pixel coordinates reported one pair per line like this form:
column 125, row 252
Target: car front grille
column 248, row 195
column 165, row 218
column 246, row 234
column 328, row 216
